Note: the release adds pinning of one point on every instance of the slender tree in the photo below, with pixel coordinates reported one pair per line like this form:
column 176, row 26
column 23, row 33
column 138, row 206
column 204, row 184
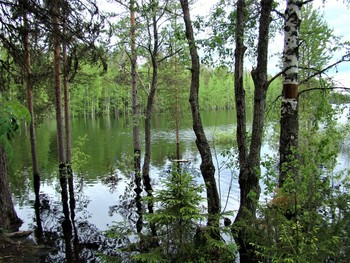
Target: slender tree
column 57, row 79
column 207, row 167
column 55, row 13
column 66, row 97
column 153, row 50
column 135, row 115
column 29, row 88
column 177, row 109
column 289, row 107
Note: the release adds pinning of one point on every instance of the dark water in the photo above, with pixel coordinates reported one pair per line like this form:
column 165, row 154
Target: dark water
column 100, row 203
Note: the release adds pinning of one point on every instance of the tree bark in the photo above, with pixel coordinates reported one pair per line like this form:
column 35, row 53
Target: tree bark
column 149, row 108
column 207, row 167
column 57, row 80
column 289, row 107
column 8, row 217
column 135, row 117
column 29, row 88
column 69, row 170
column 250, row 161
column 32, row 134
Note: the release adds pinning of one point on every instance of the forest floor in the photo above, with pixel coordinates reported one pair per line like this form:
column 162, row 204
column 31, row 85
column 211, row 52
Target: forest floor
column 20, row 249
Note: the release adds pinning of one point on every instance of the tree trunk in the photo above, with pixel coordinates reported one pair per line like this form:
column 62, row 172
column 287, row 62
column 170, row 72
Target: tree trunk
column 149, row 108
column 29, row 88
column 177, row 113
column 177, row 104
column 67, row 129
column 8, row 217
column 250, row 162
column 32, row 134
column 207, row 166
column 289, row 107
column 57, row 80
column 135, row 116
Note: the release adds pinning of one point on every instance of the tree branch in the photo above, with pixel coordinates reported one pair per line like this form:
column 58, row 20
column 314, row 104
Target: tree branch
column 169, row 55
column 275, row 77
column 279, row 13
column 331, row 88
column 306, row 2
column 345, row 58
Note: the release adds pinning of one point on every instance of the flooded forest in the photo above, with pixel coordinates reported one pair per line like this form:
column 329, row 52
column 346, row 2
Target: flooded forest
column 173, row 131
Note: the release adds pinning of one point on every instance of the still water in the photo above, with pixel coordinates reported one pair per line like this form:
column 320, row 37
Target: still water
column 105, row 149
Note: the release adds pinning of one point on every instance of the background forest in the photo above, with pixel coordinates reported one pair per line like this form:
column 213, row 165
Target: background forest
column 89, row 91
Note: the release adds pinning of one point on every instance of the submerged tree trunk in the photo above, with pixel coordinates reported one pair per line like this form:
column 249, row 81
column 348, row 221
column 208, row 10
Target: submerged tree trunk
column 289, row 107
column 149, row 108
column 8, row 217
column 29, row 88
column 57, row 80
column 63, row 173
column 250, row 161
column 177, row 103
column 32, row 134
column 177, row 112
column 207, row 166
column 135, row 117
column 69, row 170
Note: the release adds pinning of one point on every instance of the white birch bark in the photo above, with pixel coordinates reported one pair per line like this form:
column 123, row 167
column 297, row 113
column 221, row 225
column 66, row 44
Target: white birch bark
column 289, row 108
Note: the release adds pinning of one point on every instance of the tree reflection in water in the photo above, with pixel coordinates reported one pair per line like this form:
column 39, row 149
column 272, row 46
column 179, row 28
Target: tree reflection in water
column 73, row 239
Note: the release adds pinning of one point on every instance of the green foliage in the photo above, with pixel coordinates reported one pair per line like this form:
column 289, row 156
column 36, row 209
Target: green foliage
column 294, row 244
column 216, row 88
column 79, row 158
column 225, row 138
column 179, row 205
column 339, row 98
column 180, row 236
column 317, row 200
column 11, row 114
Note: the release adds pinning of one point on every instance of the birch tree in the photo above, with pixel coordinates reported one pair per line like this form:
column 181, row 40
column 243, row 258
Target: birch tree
column 289, row 107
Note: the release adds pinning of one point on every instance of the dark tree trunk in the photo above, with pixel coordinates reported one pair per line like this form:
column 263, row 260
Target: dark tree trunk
column 177, row 116
column 250, row 162
column 148, row 116
column 67, row 129
column 135, row 116
column 57, row 80
column 29, row 87
column 177, row 106
column 64, row 169
column 149, row 108
column 8, row 217
column 289, row 107
column 239, row 89
column 207, row 166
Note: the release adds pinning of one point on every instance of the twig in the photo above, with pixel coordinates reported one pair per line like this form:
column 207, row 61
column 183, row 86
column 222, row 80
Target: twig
column 345, row 58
